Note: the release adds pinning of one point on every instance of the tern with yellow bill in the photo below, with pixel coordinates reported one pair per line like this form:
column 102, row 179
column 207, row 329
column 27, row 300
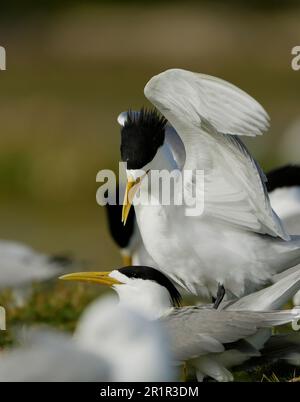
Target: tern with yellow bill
column 200, row 334
column 237, row 241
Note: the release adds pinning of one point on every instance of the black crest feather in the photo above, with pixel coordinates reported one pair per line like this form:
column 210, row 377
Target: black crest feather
column 152, row 274
column 143, row 133
column 285, row 176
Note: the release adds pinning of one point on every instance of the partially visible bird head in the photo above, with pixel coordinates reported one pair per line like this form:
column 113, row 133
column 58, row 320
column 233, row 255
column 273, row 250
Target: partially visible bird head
column 282, row 177
column 142, row 288
column 122, row 235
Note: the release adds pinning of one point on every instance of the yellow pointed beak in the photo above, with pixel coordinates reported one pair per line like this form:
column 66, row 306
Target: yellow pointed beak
column 127, row 200
column 101, row 278
column 132, row 187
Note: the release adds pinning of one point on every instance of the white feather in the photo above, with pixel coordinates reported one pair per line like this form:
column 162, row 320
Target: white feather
column 223, row 244
column 111, row 343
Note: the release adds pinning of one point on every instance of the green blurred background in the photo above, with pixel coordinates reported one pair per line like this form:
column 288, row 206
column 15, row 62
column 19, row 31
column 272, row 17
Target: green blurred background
column 73, row 66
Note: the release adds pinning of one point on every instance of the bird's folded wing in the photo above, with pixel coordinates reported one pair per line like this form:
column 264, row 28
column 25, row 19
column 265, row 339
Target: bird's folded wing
column 195, row 331
column 209, row 114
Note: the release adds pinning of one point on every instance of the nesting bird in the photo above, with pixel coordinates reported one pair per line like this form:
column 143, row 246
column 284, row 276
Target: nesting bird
column 111, row 343
column 20, row 266
column 200, row 334
column 238, row 241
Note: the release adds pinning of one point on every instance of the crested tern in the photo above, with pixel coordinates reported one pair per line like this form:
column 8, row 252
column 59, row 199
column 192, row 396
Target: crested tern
column 198, row 334
column 238, row 241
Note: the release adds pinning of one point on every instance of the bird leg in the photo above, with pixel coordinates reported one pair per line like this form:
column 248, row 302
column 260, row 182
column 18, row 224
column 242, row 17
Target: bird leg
column 220, row 296
column 184, row 372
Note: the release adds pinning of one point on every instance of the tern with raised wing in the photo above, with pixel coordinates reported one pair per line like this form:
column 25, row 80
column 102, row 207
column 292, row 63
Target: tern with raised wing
column 237, row 242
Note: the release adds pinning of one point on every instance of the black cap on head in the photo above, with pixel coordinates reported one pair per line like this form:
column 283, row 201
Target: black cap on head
column 119, row 232
column 285, row 176
column 152, row 274
column 141, row 136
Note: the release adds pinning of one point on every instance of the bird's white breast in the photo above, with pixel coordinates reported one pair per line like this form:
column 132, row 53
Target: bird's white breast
column 198, row 254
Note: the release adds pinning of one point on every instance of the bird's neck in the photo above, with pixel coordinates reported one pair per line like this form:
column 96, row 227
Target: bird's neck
column 148, row 299
column 163, row 171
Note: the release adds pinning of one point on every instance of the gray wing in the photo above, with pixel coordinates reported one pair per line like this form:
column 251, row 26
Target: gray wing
column 196, row 331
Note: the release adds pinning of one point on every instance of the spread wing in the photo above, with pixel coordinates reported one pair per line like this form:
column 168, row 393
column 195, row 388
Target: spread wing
column 209, row 114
